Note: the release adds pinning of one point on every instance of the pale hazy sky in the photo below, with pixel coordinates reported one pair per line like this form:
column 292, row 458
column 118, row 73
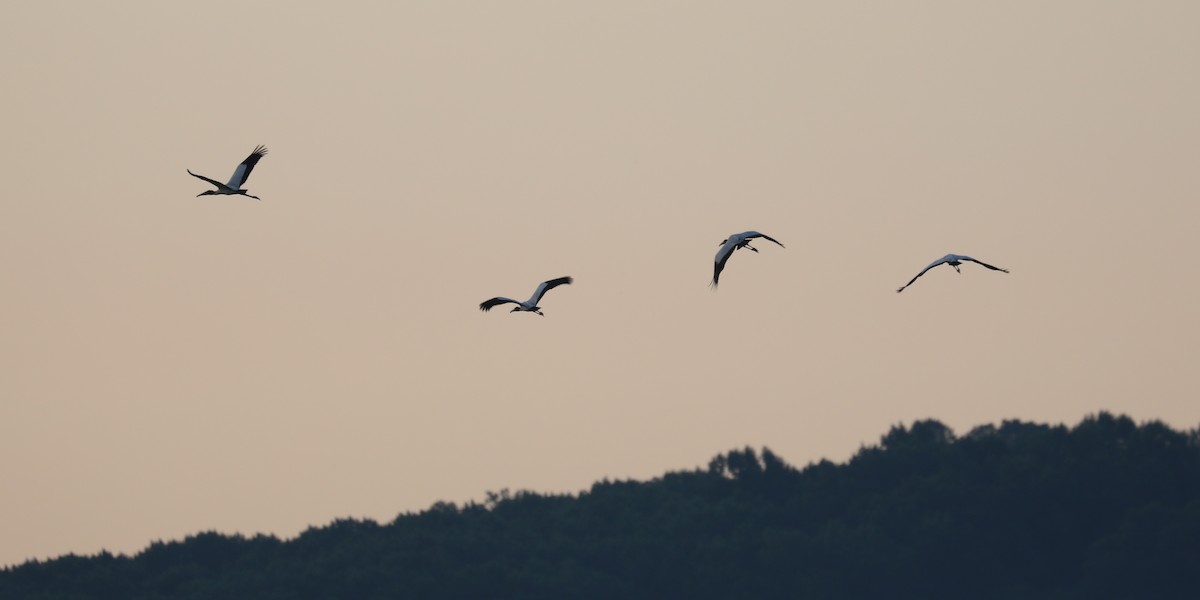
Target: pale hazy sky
column 173, row 364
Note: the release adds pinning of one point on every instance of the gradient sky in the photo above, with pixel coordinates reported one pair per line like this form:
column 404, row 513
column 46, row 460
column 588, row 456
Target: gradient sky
column 174, row 364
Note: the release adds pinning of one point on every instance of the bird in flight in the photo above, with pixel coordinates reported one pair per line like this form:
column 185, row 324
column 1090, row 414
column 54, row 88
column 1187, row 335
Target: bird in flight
column 240, row 175
column 735, row 242
column 953, row 260
column 529, row 305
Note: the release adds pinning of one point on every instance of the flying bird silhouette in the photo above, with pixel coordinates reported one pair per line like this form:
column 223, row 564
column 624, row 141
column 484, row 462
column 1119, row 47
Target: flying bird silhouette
column 735, row 242
column 529, row 305
column 953, row 260
column 240, row 175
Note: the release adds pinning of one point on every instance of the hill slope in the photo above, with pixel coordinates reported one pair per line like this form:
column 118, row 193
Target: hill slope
column 1107, row 509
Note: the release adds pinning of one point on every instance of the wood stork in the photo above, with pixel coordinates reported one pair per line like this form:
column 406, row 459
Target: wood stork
column 953, row 260
column 529, row 305
column 240, row 175
column 735, row 242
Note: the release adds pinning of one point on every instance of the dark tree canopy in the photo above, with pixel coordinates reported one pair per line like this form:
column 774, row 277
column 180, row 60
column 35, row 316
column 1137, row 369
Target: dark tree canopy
column 1107, row 509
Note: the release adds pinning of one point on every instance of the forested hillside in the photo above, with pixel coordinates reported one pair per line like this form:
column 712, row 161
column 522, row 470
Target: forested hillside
column 1106, row 509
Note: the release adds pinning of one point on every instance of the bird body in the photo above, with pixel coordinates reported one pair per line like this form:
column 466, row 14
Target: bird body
column 240, row 175
column 529, row 305
column 953, row 260
column 736, row 241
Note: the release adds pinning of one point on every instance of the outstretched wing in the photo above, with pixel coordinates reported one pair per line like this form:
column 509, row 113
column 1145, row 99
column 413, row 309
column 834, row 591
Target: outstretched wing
column 722, row 256
column 755, row 234
column 220, row 186
column 242, row 172
column 931, row 265
column 547, row 286
column 980, row 262
column 487, row 305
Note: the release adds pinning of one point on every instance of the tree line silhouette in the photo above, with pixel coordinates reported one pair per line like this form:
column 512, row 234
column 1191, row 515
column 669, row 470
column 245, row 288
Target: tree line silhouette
column 1105, row 509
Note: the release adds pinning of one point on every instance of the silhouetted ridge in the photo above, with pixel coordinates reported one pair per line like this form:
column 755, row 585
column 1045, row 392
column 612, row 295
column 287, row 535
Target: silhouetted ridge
column 1107, row 509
